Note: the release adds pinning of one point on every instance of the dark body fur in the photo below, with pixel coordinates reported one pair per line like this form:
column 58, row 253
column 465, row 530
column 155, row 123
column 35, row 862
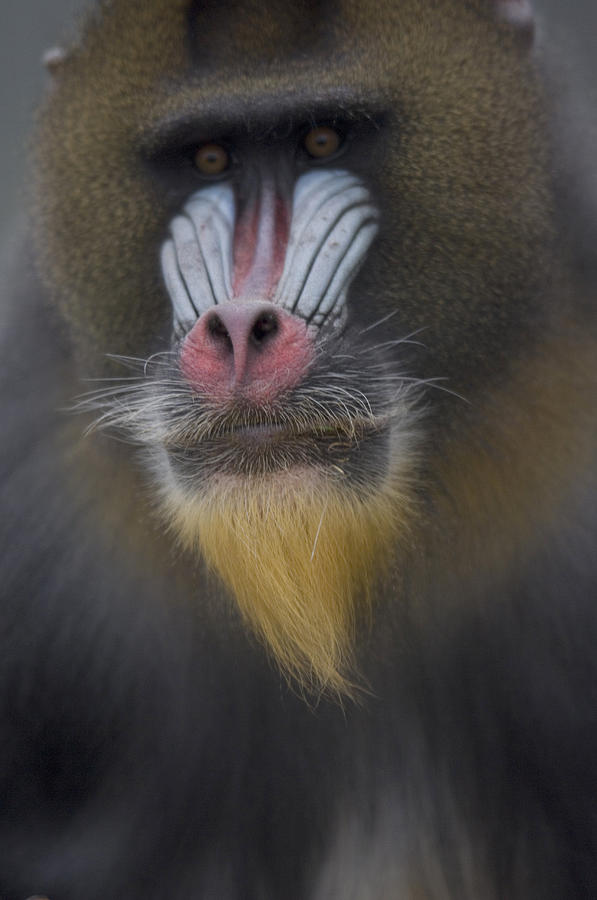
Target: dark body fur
column 149, row 749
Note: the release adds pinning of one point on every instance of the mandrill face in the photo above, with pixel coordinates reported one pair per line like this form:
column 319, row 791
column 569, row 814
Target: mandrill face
column 266, row 224
column 258, row 274
column 283, row 451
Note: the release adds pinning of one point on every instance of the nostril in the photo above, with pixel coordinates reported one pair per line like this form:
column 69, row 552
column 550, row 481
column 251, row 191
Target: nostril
column 265, row 327
column 218, row 330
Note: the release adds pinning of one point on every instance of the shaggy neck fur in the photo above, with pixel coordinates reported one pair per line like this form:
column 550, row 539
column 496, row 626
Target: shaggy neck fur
column 300, row 556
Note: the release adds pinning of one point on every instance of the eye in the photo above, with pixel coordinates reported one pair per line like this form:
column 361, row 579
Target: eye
column 322, row 141
column 212, row 159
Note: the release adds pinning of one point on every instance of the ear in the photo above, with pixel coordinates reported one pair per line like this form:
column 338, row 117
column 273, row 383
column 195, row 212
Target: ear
column 53, row 59
column 517, row 15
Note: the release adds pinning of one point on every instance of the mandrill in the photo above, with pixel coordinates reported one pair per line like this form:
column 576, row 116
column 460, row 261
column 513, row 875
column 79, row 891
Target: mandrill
column 298, row 497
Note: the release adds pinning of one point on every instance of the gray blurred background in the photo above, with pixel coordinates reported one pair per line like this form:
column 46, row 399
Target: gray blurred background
column 28, row 27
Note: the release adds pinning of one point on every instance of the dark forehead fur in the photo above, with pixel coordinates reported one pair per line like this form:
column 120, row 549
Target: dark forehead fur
column 464, row 147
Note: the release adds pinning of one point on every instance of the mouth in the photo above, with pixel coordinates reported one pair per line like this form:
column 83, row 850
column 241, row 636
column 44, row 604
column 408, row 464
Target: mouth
column 343, row 446
column 269, row 434
column 259, row 435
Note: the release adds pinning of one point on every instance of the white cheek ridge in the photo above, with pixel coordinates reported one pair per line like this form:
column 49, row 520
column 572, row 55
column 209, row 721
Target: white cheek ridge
column 191, row 264
column 333, row 225
column 313, row 189
column 212, row 212
column 182, row 307
column 333, row 303
column 314, row 214
column 327, row 243
column 197, row 260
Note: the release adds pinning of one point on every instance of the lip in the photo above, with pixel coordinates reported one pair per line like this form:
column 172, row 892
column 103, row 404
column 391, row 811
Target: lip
column 252, row 448
column 268, row 434
column 259, row 435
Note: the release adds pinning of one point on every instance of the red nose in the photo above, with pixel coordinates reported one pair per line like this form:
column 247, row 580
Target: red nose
column 251, row 350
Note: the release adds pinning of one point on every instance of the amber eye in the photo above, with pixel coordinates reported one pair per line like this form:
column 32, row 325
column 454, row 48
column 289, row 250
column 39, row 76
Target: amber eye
column 321, row 141
column 212, row 159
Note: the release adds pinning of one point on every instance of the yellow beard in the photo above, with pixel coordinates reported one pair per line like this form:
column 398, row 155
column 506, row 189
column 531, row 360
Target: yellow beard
column 300, row 556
